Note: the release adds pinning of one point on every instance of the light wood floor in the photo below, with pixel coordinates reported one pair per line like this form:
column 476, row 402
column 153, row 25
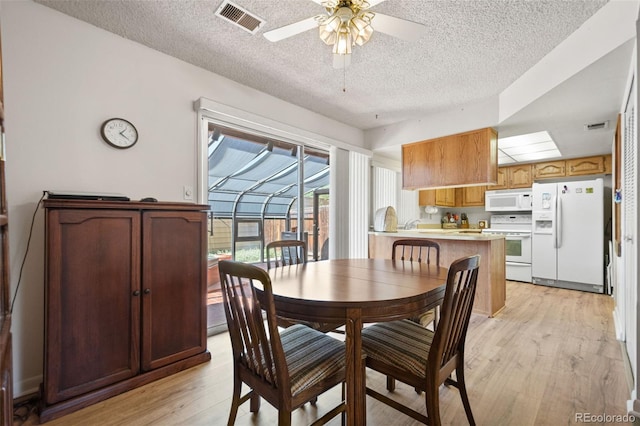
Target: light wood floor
column 549, row 355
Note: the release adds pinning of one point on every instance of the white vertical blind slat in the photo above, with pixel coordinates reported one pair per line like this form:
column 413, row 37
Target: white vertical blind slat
column 385, row 188
column 359, row 184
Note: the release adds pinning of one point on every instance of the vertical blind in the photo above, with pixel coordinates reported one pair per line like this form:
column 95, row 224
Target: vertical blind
column 359, row 172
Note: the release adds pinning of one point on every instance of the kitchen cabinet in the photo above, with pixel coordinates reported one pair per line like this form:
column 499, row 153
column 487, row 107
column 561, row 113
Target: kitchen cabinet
column 503, row 179
column 444, row 197
column 472, row 196
column 549, row 169
column 608, row 164
column 520, row 176
column 125, row 297
column 437, row 162
column 586, row 166
column 468, row 196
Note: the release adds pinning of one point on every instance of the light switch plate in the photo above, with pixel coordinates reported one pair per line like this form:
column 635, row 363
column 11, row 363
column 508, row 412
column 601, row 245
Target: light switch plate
column 187, row 192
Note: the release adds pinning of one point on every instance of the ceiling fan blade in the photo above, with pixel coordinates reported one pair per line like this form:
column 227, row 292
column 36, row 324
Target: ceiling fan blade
column 396, row 27
column 291, row 29
column 372, row 3
column 341, row 61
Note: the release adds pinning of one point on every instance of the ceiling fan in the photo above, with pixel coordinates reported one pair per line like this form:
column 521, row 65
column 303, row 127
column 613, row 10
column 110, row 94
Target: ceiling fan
column 347, row 23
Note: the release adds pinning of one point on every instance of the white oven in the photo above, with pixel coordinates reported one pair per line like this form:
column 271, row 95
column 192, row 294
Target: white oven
column 517, row 235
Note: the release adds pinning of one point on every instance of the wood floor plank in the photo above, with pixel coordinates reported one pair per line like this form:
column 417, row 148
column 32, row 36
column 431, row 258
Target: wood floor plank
column 549, row 355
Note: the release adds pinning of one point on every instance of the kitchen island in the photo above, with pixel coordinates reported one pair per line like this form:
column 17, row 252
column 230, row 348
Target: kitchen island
column 454, row 244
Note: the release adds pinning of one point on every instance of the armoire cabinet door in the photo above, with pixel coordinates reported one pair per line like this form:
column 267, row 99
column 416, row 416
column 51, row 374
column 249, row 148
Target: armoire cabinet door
column 92, row 299
column 173, row 286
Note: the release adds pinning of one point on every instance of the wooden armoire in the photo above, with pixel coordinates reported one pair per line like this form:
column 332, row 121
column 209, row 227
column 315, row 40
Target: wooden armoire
column 125, row 297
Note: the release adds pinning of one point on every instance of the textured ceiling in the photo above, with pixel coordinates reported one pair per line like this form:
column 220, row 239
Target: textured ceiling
column 472, row 50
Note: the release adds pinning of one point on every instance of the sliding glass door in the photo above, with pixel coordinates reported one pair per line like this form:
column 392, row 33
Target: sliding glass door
column 261, row 189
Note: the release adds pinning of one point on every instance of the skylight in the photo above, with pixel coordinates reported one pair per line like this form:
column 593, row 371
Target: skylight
column 529, row 147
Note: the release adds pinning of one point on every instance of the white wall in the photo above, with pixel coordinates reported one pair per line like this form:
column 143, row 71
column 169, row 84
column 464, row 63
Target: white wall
column 441, row 123
column 62, row 79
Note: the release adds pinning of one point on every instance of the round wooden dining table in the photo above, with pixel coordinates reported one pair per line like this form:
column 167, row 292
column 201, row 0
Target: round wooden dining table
column 354, row 292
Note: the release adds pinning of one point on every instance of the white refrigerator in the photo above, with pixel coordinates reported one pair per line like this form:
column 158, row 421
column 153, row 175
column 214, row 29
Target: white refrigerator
column 568, row 235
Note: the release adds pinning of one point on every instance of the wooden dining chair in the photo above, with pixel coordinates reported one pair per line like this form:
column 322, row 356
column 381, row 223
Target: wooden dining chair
column 287, row 368
column 416, row 250
column 286, row 252
column 419, row 250
column 422, row 358
column 293, row 252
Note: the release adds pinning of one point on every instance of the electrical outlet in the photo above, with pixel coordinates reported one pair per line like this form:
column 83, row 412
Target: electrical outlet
column 187, row 192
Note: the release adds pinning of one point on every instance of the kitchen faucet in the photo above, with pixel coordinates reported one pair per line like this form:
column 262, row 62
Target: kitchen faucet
column 411, row 224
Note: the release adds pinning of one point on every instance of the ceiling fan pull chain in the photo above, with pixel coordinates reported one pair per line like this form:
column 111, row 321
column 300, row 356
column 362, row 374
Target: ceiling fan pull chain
column 344, row 79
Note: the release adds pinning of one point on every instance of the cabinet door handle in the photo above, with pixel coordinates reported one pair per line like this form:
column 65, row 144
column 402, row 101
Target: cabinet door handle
column 136, row 293
column 147, row 290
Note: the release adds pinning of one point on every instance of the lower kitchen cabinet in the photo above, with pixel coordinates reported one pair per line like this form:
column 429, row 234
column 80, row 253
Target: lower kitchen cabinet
column 125, row 298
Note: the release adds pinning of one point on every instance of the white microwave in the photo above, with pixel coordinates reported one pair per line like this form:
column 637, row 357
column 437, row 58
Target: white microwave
column 508, row 200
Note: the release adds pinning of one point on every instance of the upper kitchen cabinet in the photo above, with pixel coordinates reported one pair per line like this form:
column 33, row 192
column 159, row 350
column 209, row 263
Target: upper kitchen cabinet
column 549, row 169
column 520, row 176
column 468, row 196
column 469, row 158
column 503, row 179
column 586, row 166
column 509, row 177
column 472, row 196
column 596, row 165
column 445, row 197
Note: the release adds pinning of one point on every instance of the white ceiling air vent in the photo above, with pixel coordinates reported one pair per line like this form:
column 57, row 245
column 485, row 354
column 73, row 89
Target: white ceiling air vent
column 596, row 126
column 239, row 16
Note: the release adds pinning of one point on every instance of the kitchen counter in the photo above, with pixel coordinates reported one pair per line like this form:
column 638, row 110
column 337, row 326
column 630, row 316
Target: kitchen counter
column 454, row 244
column 447, row 234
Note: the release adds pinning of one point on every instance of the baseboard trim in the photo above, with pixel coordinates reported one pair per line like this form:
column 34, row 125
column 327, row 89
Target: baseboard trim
column 27, row 387
column 618, row 324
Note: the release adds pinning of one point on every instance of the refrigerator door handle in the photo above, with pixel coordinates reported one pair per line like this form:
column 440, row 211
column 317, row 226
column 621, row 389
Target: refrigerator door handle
column 554, row 222
column 559, row 220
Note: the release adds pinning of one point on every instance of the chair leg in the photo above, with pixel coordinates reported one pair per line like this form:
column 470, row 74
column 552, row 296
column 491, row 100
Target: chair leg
column 432, row 401
column 313, row 401
column 284, row 418
column 254, row 403
column 235, row 401
column 462, row 387
column 391, row 384
column 343, row 415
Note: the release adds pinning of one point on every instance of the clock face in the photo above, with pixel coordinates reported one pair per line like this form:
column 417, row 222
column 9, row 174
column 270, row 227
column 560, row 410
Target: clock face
column 119, row 133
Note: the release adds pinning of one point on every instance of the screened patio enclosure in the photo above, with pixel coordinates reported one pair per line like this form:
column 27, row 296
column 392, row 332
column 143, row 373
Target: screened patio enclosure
column 255, row 185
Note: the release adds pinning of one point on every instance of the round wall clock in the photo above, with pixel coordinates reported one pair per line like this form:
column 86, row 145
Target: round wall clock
column 119, row 133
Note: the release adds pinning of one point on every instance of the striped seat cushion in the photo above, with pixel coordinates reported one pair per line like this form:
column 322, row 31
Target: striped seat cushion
column 311, row 356
column 426, row 318
column 404, row 344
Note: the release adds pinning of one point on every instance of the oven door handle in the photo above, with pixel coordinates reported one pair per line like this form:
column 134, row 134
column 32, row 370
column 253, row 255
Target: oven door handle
column 522, row 264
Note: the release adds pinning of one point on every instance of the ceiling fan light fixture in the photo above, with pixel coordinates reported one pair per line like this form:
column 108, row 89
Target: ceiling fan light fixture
column 344, row 41
column 361, row 29
column 328, row 37
column 330, row 24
